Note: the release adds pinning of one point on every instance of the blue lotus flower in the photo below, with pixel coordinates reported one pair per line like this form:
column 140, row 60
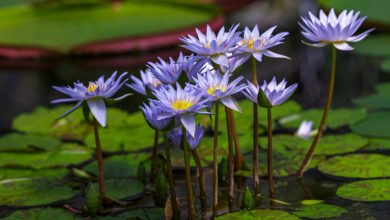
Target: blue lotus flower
column 94, row 95
column 151, row 114
column 213, row 46
column 176, row 136
column 181, row 104
column 332, row 29
column 147, row 80
column 258, row 45
column 192, row 66
column 217, row 87
column 275, row 94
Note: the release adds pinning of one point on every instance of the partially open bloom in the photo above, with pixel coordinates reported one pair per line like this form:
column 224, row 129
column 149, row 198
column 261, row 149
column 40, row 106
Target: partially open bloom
column 332, row 29
column 305, row 129
column 271, row 94
column 151, row 114
column 217, row 87
column 181, row 104
column 176, row 135
column 147, row 80
column 167, row 72
column 211, row 45
column 193, row 66
column 94, row 94
column 258, row 45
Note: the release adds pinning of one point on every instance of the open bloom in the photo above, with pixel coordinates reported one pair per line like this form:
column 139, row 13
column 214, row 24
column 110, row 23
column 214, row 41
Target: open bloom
column 258, row 45
column 217, row 87
column 94, row 94
column 151, row 114
column 271, row 94
column 181, row 104
column 305, row 129
column 147, row 80
column 214, row 46
column 332, row 29
column 176, row 136
column 167, row 72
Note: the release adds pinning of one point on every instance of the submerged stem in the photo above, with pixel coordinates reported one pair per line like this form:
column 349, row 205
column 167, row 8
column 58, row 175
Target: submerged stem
column 321, row 128
column 190, row 198
column 230, row 157
column 255, row 125
column 202, row 187
column 99, row 158
column 215, row 161
column 153, row 169
column 176, row 211
column 269, row 156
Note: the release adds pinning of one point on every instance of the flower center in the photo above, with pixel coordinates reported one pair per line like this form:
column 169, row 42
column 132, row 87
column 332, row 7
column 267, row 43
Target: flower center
column 155, row 83
column 248, row 43
column 92, row 87
column 181, row 104
column 212, row 89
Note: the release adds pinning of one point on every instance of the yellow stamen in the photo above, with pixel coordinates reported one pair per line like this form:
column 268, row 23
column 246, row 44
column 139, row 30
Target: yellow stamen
column 181, row 104
column 212, row 89
column 156, row 83
column 92, row 87
column 248, row 43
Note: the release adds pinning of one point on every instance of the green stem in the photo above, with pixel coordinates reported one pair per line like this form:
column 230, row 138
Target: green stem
column 153, row 169
column 99, row 158
column 269, row 156
column 255, row 136
column 239, row 159
column 230, row 158
column 190, row 199
column 321, row 128
column 176, row 211
column 215, row 161
column 202, row 187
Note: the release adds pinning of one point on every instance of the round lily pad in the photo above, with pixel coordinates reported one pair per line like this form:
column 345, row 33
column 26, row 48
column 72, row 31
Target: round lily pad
column 378, row 144
column 27, row 142
column 378, row 45
column 336, row 118
column 258, row 214
column 141, row 214
column 378, row 100
column 13, row 173
column 41, row 214
column 366, row 190
column 32, row 192
column 357, row 166
column 122, row 188
column 339, row 144
column 320, row 211
column 375, row 125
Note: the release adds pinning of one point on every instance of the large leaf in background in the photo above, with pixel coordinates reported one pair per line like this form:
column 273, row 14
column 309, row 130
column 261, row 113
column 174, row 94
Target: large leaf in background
column 41, row 214
column 375, row 125
column 366, row 190
column 119, row 166
column 32, row 192
column 262, row 214
column 357, row 166
column 336, row 117
column 385, row 66
column 122, row 188
column 27, row 142
column 378, row 45
column 320, row 211
column 379, row 100
column 63, row 156
column 15, row 173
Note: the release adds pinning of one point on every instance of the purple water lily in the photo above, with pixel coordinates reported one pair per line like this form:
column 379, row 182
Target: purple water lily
column 181, row 104
column 332, row 29
column 217, row 87
column 176, row 136
column 94, row 95
column 151, row 114
column 147, row 80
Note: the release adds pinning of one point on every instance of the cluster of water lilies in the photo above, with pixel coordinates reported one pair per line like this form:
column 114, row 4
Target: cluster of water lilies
column 180, row 90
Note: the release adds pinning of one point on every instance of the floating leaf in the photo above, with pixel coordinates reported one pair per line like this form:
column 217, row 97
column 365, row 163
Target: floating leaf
column 141, row 214
column 27, row 142
column 378, row 144
column 366, row 190
column 336, row 118
column 258, row 214
column 31, row 192
column 378, row 100
column 339, row 144
column 320, row 211
column 41, row 214
column 375, row 125
column 357, row 166
column 14, row 173
column 122, row 188
column 378, row 45
column 311, row 202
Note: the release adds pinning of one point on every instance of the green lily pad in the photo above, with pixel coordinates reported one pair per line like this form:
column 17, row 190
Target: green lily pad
column 378, row 45
column 32, row 192
column 27, row 142
column 336, row 118
column 339, row 144
column 378, row 100
column 118, row 166
column 375, row 125
column 41, row 214
column 141, row 214
column 385, row 66
column 122, row 188
column 357, row 166
column 12, row 173
column 320, row 211
column 258, row 214
column 378, row 144
column 366, row 190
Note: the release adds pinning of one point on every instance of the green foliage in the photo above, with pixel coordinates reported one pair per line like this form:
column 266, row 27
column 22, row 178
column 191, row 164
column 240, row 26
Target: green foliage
column 340, row 144
column 161, row 188
column 122, row 188
column 247, row 200
column 91, row 202
column 378, row 144
column 142, row 214
column 141, row 172
column 357, row 166
column 385, row 65
column 378, row 45
column 366, row 190
column 375, row 125
column 311, row 202
column 18, row 173
column 27, row 142
column 320, row 211
column 41, row 214
column 378, row 100
column 262, row 214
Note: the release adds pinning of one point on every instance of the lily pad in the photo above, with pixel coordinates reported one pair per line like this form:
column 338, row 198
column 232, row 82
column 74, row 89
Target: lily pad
column 258, row 214
column 378, row 45
column 12, row 173
column 357, row 166
column 123, row 188
column 41, row 214
column 375, row 125
column 27, row 142
column 339, row 144
column 378, row 144
column 378, row 100
column 141, row 214
column 320, row 211
column 32, row 192
column 336, row 118
column 366, row 190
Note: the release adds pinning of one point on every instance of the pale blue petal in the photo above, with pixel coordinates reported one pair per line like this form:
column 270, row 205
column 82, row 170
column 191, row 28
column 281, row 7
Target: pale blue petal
column 98, row 109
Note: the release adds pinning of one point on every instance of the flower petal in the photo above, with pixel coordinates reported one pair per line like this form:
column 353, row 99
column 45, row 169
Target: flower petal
column 78, row 104
column 188, row 121
column 343, row 46
column 230, row 103
column 98, row 109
